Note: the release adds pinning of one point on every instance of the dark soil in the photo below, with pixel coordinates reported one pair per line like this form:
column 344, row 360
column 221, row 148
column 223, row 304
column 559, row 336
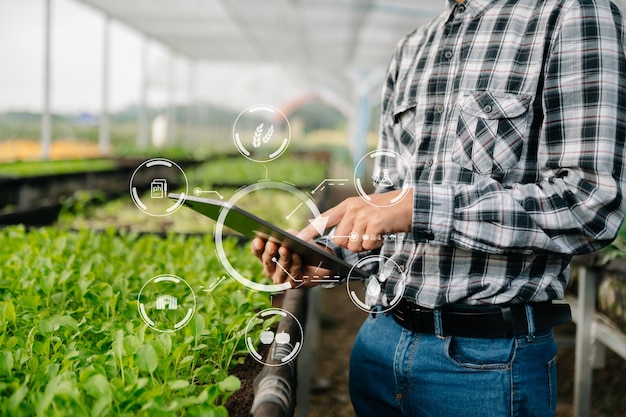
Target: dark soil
column 340, row 322
column 240, row 403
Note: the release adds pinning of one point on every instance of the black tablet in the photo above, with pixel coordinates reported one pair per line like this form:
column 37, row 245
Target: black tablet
column 251, row 226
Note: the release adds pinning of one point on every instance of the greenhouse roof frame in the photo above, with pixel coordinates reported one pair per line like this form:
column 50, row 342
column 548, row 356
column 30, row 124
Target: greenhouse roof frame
column 332, row 50
column 333, row 35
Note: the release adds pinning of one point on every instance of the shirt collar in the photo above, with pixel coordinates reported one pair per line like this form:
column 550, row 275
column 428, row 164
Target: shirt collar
column 472, row 7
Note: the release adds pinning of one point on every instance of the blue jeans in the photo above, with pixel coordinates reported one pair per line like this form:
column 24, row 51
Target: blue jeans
column 395, row 372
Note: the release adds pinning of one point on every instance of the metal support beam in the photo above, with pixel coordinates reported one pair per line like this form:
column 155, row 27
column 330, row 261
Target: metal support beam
column 104, row 137
column 584, row 341
column 361, row 127
column 190, row 120
column 142, row 111
column 46, row 125
column 363, row 87
column 171, row 101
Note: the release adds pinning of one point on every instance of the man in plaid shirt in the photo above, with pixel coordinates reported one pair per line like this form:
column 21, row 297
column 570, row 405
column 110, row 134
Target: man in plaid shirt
column 502, row 131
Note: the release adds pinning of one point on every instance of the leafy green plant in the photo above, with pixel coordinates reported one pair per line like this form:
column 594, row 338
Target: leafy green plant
column 73, row 344
column 240, row 171
column 83, row 211
column 38, row 168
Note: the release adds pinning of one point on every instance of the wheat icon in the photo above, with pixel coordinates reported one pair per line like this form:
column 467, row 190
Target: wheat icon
column 256, row 139
column 269, row 134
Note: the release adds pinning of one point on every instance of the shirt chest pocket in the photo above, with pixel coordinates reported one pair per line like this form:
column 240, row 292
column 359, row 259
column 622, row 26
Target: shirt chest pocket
column 490, row 132
column 404, row 124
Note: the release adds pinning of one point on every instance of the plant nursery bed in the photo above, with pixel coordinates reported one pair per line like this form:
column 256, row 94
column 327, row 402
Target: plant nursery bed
column 33, row 192
column 73, row 341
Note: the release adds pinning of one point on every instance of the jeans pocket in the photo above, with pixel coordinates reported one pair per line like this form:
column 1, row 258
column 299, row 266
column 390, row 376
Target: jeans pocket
column 481, row 353
column 490, row 132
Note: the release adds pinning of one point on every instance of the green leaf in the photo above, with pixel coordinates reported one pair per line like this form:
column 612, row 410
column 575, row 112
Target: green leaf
column 12, row 342
column 230, row 384
column 118, row 345
column 178, row 384
column 61, row 386
column 198, row 326
column 54, row 323
column 17, row 398
column 47, row 281
column 164, row 343
column 7, row 312
column 97, row 386
column 100, row 406
column 6, row 363
column 146, row 358
column 186, row 359
column 131, row 343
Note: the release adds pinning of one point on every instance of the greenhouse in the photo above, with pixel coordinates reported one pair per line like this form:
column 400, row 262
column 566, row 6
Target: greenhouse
column 148, row 146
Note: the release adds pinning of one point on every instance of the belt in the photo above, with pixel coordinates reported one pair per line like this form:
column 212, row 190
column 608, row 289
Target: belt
column 481, row 321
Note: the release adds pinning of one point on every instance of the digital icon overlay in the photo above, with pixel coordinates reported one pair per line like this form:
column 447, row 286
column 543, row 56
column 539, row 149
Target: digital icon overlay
column 327, row 182
column 283, row 346
column 304, row 203
column 197, row 191
column 166, row 303
column 158, row 188
column 383, row 177
column 157, row 174
column 383, row 289
column 261, row 133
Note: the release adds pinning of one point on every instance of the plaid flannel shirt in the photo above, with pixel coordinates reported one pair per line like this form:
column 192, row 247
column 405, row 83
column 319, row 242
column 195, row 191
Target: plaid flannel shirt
column 513, row 116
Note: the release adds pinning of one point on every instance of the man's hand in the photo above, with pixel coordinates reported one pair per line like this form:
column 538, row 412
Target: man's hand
column 361, row 224
column 355, row 218
column 281, row 265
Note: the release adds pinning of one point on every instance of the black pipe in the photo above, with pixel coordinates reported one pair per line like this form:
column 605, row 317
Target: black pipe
column 275, row 387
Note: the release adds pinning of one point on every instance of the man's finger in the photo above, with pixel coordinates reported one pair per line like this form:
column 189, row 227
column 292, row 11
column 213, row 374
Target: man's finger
column 257, row 247
column 283, row 263
column 329, row 218
column 270, row 251
column 296, row 265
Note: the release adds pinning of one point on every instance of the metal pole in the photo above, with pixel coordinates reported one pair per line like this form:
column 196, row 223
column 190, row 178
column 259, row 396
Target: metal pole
column 142, row 115
column 363, row 87
column 171, row 104
column 105, row 135
column 584, row 341
column 362, row 121
column 191, row 104
column 46, row 125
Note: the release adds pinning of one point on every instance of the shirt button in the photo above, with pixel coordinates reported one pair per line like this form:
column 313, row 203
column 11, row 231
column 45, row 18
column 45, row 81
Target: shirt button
column 439, row 109
column 448, row 54
column 461, row 8
column 487, row 108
